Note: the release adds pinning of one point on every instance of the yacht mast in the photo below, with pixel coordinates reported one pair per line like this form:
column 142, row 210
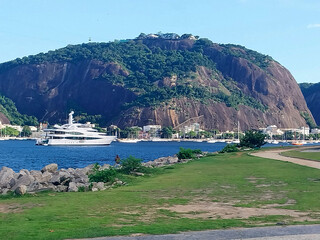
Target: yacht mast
column 70, row 121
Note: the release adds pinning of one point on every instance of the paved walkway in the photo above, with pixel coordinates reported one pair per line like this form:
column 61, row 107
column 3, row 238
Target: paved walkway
column 299, row 232
column 275, row 154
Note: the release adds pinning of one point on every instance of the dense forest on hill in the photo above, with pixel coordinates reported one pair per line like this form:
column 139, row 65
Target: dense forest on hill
column 142, row 67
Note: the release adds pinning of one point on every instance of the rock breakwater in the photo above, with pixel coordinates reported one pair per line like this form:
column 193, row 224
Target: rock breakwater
column 64, row 180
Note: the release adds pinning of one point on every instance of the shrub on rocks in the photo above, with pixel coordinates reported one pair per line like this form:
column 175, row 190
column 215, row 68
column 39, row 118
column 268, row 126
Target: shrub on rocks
column 105, row 175
column 131, row 164
column 230, row 148
column 187, row 153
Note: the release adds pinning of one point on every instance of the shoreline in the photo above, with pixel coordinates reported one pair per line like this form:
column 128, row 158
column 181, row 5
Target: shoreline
column 66, row 180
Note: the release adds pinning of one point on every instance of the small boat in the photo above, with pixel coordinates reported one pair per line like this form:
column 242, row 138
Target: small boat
column 275, row 142
column 156, row 139
column 128, row 140
column 297, row 143
column 212, row 141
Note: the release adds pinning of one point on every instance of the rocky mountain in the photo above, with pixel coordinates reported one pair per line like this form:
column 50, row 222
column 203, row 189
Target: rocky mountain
column 157, row 79
column 311, row 93
column 3, row 119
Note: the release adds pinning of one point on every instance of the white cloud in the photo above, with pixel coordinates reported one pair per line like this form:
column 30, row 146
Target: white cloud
column 317, row 25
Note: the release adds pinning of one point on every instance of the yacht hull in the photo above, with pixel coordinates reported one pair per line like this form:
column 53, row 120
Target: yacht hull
column 65, row 142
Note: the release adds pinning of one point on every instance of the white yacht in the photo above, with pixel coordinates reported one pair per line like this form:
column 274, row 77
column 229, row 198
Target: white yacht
column 74, row 134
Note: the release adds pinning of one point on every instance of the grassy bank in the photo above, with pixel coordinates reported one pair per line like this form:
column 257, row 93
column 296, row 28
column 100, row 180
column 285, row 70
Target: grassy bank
column 302, row 154
column 154, row 204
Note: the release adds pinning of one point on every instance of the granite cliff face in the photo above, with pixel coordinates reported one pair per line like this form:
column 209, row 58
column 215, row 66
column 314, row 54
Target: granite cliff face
column 4, row 119
column 311, row 93
column 49, row 89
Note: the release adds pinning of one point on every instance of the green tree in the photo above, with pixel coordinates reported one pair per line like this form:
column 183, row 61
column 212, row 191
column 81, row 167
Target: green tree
column 167, row 132
column 131, row 164
column 253, row 139
column 8, row 131
column 192, row 134
column 26, row 131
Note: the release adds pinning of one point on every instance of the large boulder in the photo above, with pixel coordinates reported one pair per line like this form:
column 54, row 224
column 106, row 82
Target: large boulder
column 41, row 177
column 6, row 175
column 23, row 180
column 21, row 190
column 62, row 177
column 88, row 169
column 80, row 176
column 98, row 185
column 72, row 187
column 53, row 167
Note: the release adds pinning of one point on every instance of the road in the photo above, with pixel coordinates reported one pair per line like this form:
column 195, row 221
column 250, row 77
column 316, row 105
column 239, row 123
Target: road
column 299, row 232
column 275, row 154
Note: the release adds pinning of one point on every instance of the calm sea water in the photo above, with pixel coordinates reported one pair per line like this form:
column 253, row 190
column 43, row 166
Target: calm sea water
column 26, row 155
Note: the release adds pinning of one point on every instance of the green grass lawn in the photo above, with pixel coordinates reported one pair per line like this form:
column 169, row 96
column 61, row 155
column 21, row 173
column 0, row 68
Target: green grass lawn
column 305, row 155
column 142, row 206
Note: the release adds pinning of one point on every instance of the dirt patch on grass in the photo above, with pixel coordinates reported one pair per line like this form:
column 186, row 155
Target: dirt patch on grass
column 10, row 208
column 218, row 210
column 15, row 208
column 253, row 179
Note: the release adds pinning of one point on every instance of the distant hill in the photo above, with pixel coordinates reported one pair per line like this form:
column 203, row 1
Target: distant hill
column 163, row 79
column 311, row 92
column 10, row 115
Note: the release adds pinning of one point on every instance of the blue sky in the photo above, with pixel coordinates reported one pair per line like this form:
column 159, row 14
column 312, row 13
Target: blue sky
column 287, row 30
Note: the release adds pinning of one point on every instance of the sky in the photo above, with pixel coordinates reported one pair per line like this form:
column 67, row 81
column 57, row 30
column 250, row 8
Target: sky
column 287, row 30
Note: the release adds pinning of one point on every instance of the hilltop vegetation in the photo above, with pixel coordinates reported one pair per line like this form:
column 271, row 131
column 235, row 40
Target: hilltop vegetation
column 163, row 79
column 143, row 67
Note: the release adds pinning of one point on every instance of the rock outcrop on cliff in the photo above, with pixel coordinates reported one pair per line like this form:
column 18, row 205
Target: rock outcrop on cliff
column 311, row 94
column 170, row 82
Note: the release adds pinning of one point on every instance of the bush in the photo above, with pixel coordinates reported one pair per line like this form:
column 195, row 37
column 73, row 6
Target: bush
column 187, row 153
column 252, row 139
column 230, row 148
column 131, row 164
column 105, row 175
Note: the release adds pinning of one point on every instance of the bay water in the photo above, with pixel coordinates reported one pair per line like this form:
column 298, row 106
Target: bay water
column 25, row 154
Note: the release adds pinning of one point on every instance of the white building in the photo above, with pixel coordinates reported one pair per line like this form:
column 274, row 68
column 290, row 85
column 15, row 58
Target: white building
column 272, row 130
column 153, row 130
column 315, row 131
column 303, row 130
column 195, row 127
